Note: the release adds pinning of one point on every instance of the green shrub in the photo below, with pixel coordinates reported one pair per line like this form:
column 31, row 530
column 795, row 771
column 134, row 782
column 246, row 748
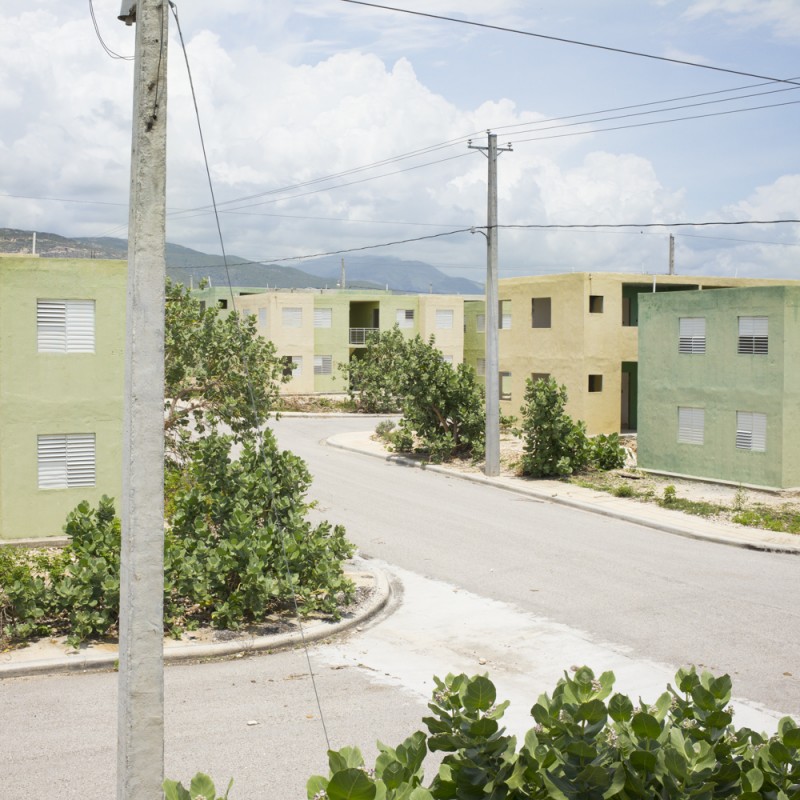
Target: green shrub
column 385, row 429
column 553, row 444
column 588, row 743
column 607, row 452
column 623, row 491
column 238, row 545
column 670, row 496
column 442, row 405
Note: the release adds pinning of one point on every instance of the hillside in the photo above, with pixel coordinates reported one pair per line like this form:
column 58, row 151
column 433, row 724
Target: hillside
column 190, row 266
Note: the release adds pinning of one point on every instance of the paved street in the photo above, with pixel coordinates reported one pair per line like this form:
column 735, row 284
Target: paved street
column 654, row 596
column 485, row 580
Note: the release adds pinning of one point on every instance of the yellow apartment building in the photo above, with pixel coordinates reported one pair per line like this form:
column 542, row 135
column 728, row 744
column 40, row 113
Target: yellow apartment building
column 581, row 329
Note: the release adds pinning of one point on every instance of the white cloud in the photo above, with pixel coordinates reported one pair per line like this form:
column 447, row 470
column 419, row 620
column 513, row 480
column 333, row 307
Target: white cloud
column 782, row 16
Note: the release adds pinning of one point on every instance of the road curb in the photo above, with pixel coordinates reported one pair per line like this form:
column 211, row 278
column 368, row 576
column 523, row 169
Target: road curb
column 183, row 653
column 752, row 542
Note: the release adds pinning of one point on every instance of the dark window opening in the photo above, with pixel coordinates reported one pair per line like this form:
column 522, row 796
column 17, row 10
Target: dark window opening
column 595, row 383
column 595, row 304
column 540, row 312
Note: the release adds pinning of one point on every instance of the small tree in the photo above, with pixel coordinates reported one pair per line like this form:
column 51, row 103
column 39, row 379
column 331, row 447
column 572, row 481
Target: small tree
column 218, row 370
column 442, row 406
column 554, row 445
column 372, row 376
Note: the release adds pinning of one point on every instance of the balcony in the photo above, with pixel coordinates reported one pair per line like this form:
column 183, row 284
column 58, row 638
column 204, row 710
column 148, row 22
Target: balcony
column 358, row 336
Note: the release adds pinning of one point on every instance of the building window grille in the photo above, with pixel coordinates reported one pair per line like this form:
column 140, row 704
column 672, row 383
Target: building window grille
column 66, row 461
column 65, row 326
column 691, row 424
column 753, row 336
column 292, row 317
column 323, row 317
column 751, row 431
column 692, row 335
column 323, row 365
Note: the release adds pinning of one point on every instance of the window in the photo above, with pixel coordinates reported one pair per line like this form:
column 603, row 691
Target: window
column 692, row 335
column 540, row 312
column 405, row 317
column 753, row 336
column 323, row 365
column 539, row 376
column 65, row 326
column 480, row 323
column 202, row 306
column 292, row 366
column 691, row 422
column 595, row 383
column 447, row 359
column 262, row 317
column 444, row 318
column 751, row 431
column 292, row 317
column 323, row 317
column 66, row 461
column 222, row 304
column 595, row 304
column 480, row 366
column 505, row 385
column 505, row 315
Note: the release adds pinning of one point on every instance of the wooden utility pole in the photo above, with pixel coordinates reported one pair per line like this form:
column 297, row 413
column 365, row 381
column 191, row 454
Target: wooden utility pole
column 140, row 726
column 492, row 375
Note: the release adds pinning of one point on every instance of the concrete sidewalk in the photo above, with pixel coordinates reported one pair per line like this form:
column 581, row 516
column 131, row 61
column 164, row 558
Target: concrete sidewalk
column 53, row 656
column 650, row 515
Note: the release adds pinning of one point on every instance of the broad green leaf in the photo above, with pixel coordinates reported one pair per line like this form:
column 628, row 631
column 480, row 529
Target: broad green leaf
column 675, row 762
column 595, row 776
column 314, row 785
column 704, row 698
column 755, row 779
column 175, row 791
column 718, row 719
column 483, row 728
column 593, row 711
column 779, row 752
column 203, row 785
column 392, row 774
column 791, row 738
column 351, row 784
column 643, row 760
column 617, row 783
column 646, row 725
column 480, row 694
column 620, row 708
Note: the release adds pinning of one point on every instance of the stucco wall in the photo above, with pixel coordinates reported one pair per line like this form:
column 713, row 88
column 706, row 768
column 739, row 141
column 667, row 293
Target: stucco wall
column 722, row 382
column 52, row 393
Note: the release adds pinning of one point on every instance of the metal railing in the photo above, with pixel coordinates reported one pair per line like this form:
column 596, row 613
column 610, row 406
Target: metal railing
column 358, row 336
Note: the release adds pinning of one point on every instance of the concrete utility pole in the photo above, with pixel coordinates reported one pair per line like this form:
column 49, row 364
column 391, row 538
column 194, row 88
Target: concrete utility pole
column 492, row 375
column 671, row 254
column 140, row 725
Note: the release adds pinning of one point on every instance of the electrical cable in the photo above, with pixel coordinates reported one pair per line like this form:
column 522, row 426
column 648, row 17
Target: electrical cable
column 100, row 39
column 243, row 356
column 577, row 42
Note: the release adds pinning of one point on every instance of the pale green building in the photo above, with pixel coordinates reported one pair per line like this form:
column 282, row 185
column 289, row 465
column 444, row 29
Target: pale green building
column 719, row 385
column 62, row 335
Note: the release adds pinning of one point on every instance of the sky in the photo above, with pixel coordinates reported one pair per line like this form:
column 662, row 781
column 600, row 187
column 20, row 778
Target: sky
column 334, row 126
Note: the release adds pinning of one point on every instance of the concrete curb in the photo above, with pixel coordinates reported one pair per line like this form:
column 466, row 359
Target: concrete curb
column 749, row 538
column 182, row 652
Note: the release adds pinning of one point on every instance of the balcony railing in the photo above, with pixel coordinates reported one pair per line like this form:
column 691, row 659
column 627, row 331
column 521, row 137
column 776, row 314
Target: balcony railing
column 358, row 336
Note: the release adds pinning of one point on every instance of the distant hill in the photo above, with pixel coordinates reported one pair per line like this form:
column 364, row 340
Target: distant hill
column 186, row 266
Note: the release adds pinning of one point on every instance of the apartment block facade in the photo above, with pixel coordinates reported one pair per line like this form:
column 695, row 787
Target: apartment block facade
column 719, row 385
column 62, row 335
column 582, row 329
column 317, row 330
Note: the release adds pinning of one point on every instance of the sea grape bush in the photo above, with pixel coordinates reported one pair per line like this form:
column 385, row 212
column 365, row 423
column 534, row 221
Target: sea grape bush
column 588, row 743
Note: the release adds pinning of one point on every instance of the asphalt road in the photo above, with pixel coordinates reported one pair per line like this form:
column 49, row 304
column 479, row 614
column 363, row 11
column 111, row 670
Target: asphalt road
column 485, row 580
column 654, row 596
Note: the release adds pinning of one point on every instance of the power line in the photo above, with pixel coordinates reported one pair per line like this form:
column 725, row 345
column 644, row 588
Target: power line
column 100, row 39
column 623, row 226
column 573, row 42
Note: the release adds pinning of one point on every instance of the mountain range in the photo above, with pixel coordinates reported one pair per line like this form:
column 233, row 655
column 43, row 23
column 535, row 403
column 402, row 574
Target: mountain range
column 189, row 266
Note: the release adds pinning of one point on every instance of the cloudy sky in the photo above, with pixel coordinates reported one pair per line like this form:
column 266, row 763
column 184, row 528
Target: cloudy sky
column 332, row 126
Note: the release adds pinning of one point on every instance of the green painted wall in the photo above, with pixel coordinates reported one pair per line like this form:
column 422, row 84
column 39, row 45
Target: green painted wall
column 51, row 393
column 722, row 382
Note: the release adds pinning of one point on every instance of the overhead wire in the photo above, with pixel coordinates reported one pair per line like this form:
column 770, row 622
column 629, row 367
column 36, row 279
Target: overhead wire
column 576, row 42
column 243, row 357
column 109, row 52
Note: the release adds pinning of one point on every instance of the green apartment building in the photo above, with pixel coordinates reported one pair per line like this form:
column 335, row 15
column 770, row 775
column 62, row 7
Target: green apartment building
column 62, row 335
column 719, row 385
